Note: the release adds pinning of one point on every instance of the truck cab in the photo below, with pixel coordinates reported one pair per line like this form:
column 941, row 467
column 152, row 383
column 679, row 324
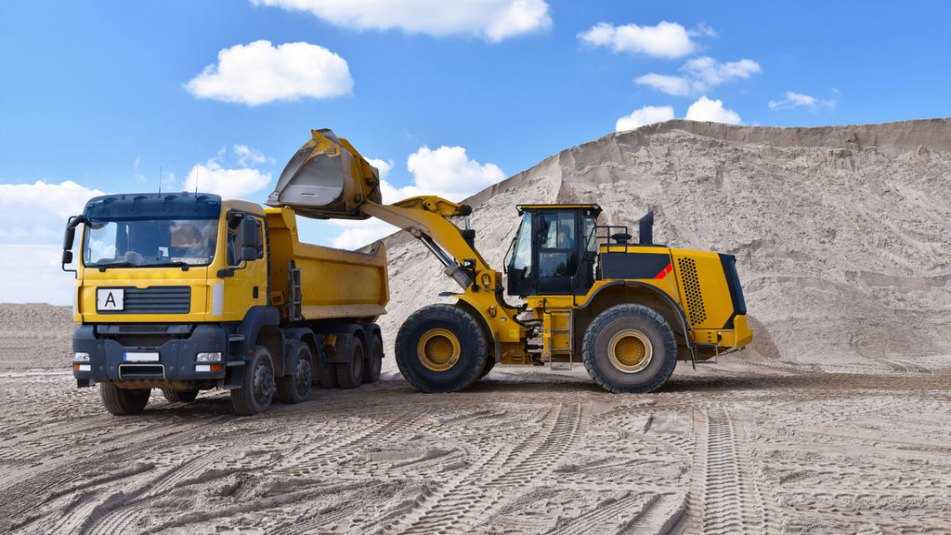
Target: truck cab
column 175, row 291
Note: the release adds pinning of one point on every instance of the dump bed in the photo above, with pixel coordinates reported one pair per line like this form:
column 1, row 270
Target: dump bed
column 332, row 283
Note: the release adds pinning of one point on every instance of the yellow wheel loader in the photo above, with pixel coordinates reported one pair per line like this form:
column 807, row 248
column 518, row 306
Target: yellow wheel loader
column 626, row 310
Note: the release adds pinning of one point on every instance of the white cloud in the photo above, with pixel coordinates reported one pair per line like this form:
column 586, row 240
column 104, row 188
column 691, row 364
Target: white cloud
column 799, row 100
column 445, row 171
column 644, row 116
column 705, row 109
column 665, row 40
column 210, row 177
column 493, row 20
column 712, row 73
column 259, row 72
column 32, row 274
column 248, row 156
column 665, row 83
column 382, row 166
column 700, row 75
column 36, row 213
column 32, row 220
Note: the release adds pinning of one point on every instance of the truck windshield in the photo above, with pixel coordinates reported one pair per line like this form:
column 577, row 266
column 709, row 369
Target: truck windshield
column 152, row 242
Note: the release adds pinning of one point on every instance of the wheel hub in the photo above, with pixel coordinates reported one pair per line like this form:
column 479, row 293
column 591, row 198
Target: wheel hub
column 438, row 349
column 263, row 383
column 630, row 351
column 303, row 377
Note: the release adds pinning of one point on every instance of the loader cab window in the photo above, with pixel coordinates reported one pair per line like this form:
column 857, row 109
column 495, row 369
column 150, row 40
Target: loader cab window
column 557, row 246
column 552, row 253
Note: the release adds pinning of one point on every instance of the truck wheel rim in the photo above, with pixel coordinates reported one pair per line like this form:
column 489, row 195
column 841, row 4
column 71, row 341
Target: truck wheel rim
column 438, row 349
column 630, row 351
column 263, row 384
column 303, row 377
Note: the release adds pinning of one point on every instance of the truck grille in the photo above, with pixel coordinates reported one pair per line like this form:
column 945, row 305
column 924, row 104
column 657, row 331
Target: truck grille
column 158, row 300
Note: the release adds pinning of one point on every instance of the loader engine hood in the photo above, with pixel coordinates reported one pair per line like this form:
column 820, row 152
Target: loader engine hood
column 327, row 178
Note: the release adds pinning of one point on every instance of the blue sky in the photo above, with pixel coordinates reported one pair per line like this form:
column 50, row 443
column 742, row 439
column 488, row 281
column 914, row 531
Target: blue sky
column 96, row 94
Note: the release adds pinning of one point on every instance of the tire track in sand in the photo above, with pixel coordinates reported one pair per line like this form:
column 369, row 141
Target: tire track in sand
column 725, row 496
column 463, row 502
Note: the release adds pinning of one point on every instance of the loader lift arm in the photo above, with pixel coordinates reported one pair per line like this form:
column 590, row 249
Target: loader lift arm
column 427, row 218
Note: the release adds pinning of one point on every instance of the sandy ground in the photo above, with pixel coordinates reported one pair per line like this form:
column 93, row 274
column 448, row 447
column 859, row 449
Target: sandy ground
column 750, row 447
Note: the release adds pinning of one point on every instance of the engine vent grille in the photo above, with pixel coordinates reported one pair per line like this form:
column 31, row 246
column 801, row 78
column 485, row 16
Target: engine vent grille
column 158, row 300
column 688, row 272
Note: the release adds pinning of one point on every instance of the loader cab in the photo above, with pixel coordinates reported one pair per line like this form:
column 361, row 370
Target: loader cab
column 554, row 250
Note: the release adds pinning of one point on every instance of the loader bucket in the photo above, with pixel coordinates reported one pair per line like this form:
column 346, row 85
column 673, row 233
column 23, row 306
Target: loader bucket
column 327, row 178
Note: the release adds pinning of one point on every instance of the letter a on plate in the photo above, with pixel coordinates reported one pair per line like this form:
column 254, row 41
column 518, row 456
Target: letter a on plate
column 109, row 298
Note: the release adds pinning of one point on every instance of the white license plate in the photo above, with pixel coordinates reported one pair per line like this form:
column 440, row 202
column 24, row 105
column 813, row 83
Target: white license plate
column 108, row 299
column 141, row 357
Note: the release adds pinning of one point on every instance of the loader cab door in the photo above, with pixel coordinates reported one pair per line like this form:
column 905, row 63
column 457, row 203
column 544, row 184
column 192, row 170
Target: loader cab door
column 550, row 253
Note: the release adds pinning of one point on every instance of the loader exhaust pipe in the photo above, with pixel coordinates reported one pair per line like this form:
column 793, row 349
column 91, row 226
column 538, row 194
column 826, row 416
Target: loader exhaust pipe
column 645, row 231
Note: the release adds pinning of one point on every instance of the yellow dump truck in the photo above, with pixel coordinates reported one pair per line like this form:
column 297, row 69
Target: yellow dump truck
column 185, row 292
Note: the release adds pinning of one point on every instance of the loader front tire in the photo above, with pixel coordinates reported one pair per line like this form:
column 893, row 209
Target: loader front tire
column 629, row 349
column 441, row 348
column 123, row 401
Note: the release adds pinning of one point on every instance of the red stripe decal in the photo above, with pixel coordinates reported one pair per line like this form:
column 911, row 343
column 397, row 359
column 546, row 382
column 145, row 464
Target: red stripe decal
column 664, row 272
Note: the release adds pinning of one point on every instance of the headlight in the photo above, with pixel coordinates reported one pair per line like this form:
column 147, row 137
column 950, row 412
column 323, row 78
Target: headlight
column 80, row 357
column 208, row 357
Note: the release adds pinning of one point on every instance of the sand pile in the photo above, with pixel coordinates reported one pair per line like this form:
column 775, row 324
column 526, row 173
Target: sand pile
column 35, row 336
column 843, row 234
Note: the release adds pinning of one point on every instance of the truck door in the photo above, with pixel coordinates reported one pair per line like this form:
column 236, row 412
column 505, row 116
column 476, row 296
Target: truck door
column 247, row 287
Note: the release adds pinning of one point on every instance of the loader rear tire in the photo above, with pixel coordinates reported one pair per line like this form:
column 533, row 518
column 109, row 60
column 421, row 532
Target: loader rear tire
column 179, row 396
column 371, row 373
column 629, row 349
column 257, row 384
column 350, row 374
column 441, row 348
column 295, row 388
column 123, row 401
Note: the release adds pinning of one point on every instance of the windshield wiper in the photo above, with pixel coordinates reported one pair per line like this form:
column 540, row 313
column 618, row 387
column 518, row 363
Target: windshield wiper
column 183, row 265
column 103, row 267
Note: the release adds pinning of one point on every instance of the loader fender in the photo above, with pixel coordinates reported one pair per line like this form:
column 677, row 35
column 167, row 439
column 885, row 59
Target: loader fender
column 672, row 306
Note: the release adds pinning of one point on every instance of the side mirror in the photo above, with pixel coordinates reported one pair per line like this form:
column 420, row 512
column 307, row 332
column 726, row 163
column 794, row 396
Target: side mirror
column 68, row 238
column 250, row 239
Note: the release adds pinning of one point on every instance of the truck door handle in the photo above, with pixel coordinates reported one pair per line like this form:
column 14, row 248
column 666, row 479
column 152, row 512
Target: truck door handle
column 254, row 292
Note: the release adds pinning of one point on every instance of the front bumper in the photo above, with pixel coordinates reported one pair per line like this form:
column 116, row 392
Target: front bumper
column 122, row 353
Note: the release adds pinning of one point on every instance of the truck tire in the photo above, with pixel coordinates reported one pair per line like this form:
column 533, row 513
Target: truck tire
column 327, row 375
column 629, row 349
column 179, row 396
column 257, row 384
column 441, row 348
column 295, row 388
column 371, row 373
column 350, row 374
column 123, row 401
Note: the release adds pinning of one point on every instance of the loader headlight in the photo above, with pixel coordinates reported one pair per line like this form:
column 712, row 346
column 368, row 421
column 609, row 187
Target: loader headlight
column 208, row 357
column 80, row 357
